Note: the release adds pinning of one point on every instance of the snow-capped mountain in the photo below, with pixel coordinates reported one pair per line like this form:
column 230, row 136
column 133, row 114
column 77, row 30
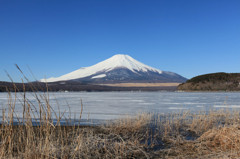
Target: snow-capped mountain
column 119, row 68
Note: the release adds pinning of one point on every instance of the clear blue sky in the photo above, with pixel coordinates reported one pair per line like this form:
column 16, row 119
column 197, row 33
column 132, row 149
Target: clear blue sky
column 55, row 37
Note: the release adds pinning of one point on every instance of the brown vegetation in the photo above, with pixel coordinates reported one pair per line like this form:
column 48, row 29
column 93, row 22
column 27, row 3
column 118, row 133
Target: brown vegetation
column 142, row 84
column 180, row 135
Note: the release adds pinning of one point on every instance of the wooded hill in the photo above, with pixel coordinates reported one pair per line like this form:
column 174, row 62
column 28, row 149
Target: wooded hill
column 213, row 82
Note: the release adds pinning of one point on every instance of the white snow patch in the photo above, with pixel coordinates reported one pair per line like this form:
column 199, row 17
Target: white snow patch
column 226, row 106
column 99, row 76
column 180, row 108
column 147, row 103
column 116, row 61
column 137, row 100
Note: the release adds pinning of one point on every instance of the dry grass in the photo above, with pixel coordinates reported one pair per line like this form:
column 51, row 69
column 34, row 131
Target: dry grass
column 142, row 84
column 215, row 134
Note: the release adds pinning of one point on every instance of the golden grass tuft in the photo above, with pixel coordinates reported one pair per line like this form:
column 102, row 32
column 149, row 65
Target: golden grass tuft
column 225, row 139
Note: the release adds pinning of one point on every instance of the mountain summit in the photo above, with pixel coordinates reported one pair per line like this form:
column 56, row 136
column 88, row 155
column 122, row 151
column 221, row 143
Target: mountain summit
column 119, row 68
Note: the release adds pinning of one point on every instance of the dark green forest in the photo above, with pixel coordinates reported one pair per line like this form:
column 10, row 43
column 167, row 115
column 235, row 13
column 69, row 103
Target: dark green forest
column 212, row 82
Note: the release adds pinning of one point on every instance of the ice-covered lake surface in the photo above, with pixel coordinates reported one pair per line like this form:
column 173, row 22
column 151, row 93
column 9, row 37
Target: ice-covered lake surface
column 113, row 105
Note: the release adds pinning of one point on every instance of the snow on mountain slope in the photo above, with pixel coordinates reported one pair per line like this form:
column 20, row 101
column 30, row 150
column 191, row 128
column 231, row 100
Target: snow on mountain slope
column 116, row 61
column 99, row 76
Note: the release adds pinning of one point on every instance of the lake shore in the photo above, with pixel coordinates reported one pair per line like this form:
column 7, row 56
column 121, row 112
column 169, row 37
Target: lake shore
column 184, row 135
column 199, row 134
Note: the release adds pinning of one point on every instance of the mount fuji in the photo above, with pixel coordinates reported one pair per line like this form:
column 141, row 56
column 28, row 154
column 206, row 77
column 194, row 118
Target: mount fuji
column 119, row 69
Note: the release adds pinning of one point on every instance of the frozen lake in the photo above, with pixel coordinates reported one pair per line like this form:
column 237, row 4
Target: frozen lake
column 112, row 105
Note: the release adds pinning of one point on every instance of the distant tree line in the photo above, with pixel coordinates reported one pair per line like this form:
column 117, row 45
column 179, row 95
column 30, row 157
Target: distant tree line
column 72, row 86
